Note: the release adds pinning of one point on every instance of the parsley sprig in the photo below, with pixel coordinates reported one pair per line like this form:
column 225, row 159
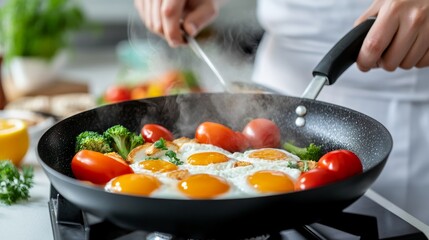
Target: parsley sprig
column 162, row 144
column 14, row 184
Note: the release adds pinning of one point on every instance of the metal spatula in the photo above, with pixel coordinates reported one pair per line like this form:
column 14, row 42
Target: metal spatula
column 193, row 44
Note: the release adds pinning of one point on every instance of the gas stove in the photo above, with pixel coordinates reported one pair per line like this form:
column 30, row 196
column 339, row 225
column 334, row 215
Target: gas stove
column 364, row 219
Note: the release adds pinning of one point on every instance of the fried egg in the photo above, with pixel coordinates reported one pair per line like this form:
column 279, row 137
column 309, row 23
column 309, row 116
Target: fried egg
column 203, row 186
column 204, row 158
column 207, row 172
column 266, row 155
column 134, row 184
column 157, row 165
column 256, row 180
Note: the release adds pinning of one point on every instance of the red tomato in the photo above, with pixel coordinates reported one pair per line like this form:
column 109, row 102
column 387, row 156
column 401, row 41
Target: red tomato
column 243, row 142
column 96, row 167
column 343, row 162
column 153, row 132
column 219, row 135
column 262, row 133
column 117, row 93
column 315, row 178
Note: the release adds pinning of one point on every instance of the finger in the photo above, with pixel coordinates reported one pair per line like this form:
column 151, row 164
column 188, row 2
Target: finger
column 421, row 45
column 415, row 54
column 147, row 14
column 171, row 12
column 424, row 61
column 377, row 40
column 156, row 17
column 399, row 47
column 370, row 12
column 196, row 20
column 140, row 9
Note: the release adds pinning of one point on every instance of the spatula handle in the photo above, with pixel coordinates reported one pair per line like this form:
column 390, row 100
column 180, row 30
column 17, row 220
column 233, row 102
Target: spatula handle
column 344, row 53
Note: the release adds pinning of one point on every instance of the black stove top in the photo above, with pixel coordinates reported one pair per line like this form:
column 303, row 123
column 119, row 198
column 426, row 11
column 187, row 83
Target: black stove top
column 364, row 219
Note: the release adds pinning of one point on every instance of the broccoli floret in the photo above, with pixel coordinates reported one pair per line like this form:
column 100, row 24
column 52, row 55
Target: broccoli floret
column 136, row 140
column 90, row 140
column 122, row 140
column 311, row 152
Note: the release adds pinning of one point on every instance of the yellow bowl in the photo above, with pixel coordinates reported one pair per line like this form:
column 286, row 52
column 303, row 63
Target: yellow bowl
column 14, row 140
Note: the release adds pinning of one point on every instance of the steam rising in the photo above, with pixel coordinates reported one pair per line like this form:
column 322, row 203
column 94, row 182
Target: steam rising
column 184, row 112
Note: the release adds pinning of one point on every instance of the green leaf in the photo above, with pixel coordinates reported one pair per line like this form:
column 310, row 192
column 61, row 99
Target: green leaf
column 14, row 184
column 160, row 144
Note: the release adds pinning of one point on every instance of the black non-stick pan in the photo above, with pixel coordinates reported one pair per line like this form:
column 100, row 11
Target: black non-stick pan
column 326, row 124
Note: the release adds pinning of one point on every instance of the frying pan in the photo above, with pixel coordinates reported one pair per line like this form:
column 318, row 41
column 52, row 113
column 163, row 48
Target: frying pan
column 328, row 125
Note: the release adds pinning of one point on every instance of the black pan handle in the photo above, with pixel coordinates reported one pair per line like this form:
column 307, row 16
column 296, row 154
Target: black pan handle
column 344, row 53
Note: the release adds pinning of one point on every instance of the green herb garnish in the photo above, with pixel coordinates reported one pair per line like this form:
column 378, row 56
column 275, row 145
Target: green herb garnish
column 162, row 144
column 14, row 184
column 173, row 157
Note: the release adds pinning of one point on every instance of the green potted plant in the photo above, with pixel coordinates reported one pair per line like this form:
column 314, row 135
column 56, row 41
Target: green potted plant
column 33, row 34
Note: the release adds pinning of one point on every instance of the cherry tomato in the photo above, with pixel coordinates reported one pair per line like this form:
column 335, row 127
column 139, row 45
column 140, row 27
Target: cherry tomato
column 262, row 133
column 152, row 132
column 96, row 167
column 243, row 142
column 315, row 178
column 219, row 135
column 343, row 162
column 116, row 93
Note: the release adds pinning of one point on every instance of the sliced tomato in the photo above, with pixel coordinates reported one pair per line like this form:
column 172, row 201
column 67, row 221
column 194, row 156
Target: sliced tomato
column 96, row 167
column 219, row 135
column 342, row 162
column 315, row 178
column 262, row 133
column 116, row 93
column 152, row 132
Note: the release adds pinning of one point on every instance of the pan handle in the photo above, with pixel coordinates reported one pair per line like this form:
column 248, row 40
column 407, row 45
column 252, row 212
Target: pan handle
column 344, row 53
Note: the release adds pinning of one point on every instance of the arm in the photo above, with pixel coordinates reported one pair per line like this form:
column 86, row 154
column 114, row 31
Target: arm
column 399, row 36
column 164, row 17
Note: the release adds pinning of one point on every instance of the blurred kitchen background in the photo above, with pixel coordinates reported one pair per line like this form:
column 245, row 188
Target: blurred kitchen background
column 114, row 49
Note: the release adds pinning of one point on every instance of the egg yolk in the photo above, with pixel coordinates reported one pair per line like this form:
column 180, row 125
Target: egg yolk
column 267, row 181
column 158, row 165
column 203, row 186
column 206, row 158
column 269, row 154
column 133, row 183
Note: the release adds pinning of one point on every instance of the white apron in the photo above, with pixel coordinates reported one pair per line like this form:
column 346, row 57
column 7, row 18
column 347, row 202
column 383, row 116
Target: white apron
column 298, row 34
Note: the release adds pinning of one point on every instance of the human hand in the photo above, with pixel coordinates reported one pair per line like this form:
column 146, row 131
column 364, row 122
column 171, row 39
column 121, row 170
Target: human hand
column 399, row 36
column 165, row 17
